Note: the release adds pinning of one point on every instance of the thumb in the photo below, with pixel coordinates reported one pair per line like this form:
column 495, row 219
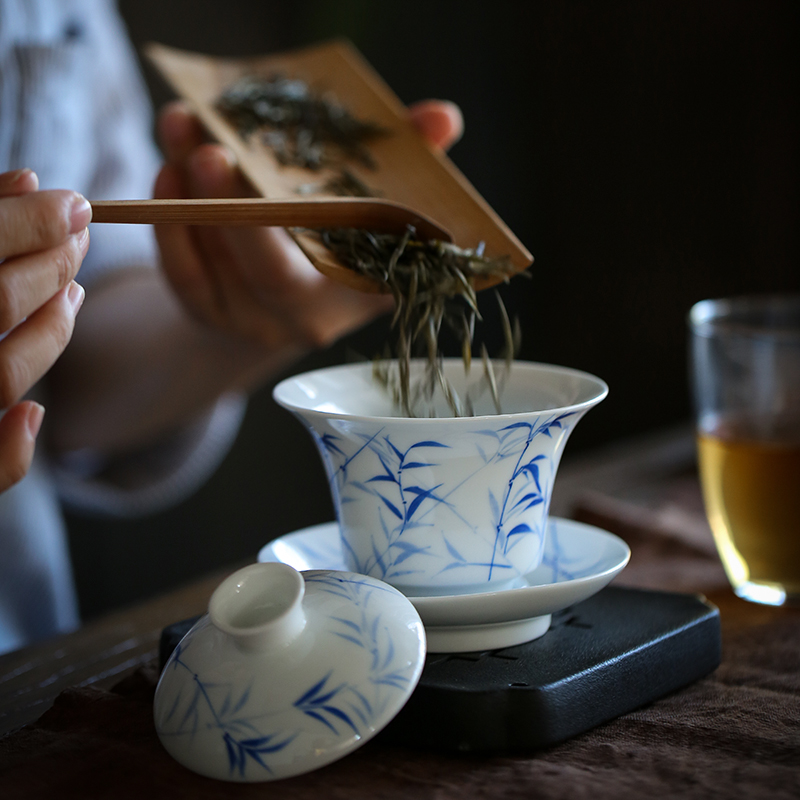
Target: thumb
column 439, row 121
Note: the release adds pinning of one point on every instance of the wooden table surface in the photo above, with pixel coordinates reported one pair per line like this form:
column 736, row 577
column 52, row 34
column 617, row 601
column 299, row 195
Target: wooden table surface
column 100, row 654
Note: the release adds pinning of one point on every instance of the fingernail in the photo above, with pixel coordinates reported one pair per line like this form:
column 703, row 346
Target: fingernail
column 83, row 240
column 12, row 179
column 213, row 164
column 34, row 420
column 18, row 174
column 80, row 214
column 75, row 295
column 230, row 157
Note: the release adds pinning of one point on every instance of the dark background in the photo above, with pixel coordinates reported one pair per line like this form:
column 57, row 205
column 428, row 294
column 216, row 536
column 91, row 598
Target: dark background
column 645, row 152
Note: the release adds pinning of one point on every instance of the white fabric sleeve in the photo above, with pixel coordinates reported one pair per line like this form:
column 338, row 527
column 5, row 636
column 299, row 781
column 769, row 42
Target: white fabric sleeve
column 126, row 159
column 154, row 478
column 125, row 162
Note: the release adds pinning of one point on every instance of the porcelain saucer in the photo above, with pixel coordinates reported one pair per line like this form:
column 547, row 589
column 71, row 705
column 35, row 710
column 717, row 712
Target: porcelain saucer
column 579, row 560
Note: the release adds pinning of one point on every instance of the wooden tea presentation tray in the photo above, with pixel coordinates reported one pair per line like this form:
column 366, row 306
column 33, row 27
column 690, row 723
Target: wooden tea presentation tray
column 408, row 171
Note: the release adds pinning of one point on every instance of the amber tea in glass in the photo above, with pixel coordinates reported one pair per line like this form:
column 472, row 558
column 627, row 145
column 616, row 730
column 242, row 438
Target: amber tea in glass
column 746, row 379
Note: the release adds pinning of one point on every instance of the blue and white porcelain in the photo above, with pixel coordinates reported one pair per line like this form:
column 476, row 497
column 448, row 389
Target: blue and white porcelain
column 287, row 672
column 579, row 560
column 442, row 505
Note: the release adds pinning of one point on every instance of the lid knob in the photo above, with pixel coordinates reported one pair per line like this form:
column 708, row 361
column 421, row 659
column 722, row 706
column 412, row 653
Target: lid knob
column 260, row 607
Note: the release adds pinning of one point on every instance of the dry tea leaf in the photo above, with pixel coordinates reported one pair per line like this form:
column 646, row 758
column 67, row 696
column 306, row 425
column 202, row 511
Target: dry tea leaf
column 432, row 284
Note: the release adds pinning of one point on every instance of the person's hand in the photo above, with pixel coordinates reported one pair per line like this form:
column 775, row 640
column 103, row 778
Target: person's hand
column 255, row 282
column 43, row 239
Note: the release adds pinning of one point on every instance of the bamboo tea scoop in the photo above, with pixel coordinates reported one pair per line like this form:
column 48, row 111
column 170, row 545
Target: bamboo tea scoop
column 366, row 213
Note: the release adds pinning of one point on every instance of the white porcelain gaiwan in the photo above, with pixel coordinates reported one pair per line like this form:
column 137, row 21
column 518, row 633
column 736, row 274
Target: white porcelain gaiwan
column 287, row 672
column 442, row 505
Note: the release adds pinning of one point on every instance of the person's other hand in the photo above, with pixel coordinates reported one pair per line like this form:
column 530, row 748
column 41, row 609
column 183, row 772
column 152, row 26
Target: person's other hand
column 43, row 239
column 256, row 282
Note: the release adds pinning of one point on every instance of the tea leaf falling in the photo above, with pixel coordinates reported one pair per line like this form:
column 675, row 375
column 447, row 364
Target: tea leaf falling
column 432, row 285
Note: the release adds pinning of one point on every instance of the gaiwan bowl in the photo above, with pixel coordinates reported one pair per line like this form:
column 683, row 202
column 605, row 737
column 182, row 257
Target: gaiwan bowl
column 442, row 505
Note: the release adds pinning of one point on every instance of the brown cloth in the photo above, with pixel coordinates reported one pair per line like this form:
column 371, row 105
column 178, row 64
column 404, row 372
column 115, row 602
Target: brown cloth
column 734, row 734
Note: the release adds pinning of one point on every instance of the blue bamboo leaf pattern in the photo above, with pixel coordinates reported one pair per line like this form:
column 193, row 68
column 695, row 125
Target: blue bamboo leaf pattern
column 421, row 496
column 399, row 455
column 378, row 557
column 519, row 529
column 348, row 623
column 242, row 737
column 240, row 749
column 391, row 506
column 389, row 474
column 402, row 476
column 464, row 564
column 407, row 550
column 331, row 702
column 530, row 498
column 385, row 478
column 453, row 552
column 174, row 707
column 317, row 703
column 403, row 506
column 525, row 470
column 459, row 562
column 345, row 585
column 561, row 565
column 368, row 632
column 329, row 443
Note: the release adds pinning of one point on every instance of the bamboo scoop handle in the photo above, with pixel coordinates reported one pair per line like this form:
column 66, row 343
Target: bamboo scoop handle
column 335, row 212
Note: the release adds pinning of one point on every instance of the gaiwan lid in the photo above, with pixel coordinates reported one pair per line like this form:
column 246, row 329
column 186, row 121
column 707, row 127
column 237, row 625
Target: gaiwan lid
column 288, row 672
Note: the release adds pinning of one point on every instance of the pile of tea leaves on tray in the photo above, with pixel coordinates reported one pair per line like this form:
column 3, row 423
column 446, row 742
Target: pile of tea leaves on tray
column 302, row 127
column 432, row 285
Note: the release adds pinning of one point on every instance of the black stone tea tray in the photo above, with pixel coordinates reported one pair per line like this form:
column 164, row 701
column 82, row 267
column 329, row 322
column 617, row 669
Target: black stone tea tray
column 617, row 651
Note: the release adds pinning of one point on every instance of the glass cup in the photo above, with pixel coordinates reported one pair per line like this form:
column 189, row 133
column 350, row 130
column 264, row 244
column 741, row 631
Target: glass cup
column 745, row 355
